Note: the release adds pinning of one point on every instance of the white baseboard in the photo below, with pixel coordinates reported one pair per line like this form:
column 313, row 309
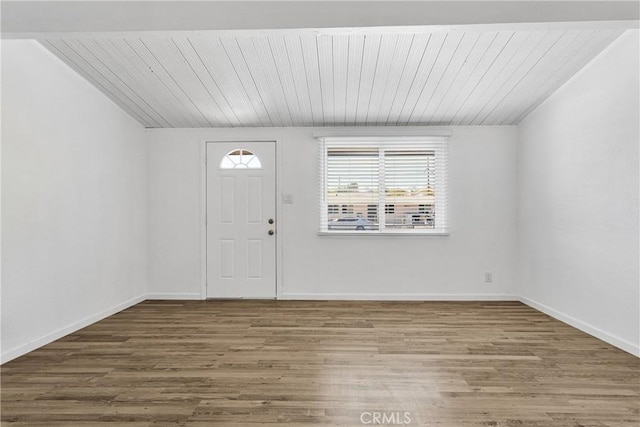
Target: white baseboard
column 399, row 297
column 174, row 296
column 584, row 327
column 37, row 343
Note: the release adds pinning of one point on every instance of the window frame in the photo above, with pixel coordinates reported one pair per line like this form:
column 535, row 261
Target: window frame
column 227, row 163
column 438, row 144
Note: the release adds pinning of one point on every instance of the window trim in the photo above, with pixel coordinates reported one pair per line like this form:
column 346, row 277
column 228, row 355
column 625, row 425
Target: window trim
column 439, row 144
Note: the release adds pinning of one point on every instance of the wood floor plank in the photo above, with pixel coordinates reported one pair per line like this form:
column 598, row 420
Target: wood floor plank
column 320, row 363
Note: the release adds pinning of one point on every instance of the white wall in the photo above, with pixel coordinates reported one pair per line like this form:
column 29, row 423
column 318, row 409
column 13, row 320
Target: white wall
column 483, row 230
column 578, row 199
column 73, row 201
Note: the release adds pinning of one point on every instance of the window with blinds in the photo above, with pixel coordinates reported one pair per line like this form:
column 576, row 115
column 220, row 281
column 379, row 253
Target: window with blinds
column 391, row 185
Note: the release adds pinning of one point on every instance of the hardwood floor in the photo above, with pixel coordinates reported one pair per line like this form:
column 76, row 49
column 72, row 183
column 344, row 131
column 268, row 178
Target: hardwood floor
column 232, row 363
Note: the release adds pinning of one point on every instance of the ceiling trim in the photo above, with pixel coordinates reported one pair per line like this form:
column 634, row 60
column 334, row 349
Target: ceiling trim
column 422, row 29
column 30, row 19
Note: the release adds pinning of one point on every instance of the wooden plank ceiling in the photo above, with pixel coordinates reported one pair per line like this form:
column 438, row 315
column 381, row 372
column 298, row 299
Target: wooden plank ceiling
column 304, row 78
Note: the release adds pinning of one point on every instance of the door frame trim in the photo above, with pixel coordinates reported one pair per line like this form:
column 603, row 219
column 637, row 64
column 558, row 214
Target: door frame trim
column 203, row 211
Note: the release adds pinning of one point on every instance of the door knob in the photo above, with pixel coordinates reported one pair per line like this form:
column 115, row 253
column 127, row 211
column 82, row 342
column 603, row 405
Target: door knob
column 270, row 221
column 271, row 232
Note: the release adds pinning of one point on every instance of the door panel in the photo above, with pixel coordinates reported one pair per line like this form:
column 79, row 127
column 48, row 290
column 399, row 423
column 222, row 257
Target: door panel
column 241, row 254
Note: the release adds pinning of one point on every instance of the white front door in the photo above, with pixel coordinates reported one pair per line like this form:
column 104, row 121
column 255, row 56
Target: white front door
column 241, row 209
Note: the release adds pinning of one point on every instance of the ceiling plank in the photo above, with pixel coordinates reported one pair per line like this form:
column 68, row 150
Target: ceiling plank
column 255, row 75
column 250, row 111
column 299, row 77
column 207, row 88
column 241, row 68
column 381, row 110
column 261, row 61
column 285, row 72
column 415, row 58
column 489, row 81
column 324, row 52
column 458, row 63
column 166, row 83
column 188, row 83
column 473, row 61
column 421, row 77
column 386, row 57
column 134, row 72
column 444, row 58
column 312, row 70
column 354, row 72
column 99, row 76
column 519, row 75
column 92, row 52
column 476, row 76
column 340, row 77
column 367, row 76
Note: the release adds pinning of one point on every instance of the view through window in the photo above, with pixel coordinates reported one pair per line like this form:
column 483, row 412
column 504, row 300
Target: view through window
column 389, row 186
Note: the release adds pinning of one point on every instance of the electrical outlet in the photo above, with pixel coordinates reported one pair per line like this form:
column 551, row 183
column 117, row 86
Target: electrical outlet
column 488, row 277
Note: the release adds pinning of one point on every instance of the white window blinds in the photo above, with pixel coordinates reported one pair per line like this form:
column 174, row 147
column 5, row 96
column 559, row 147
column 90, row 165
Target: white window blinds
column 390, row 185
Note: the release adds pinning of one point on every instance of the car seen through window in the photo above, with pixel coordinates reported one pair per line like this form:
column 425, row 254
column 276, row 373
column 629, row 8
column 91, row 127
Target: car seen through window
column 350, row 223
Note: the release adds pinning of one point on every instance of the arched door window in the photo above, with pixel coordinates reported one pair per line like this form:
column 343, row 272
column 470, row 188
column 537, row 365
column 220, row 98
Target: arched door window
column 240, row 159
